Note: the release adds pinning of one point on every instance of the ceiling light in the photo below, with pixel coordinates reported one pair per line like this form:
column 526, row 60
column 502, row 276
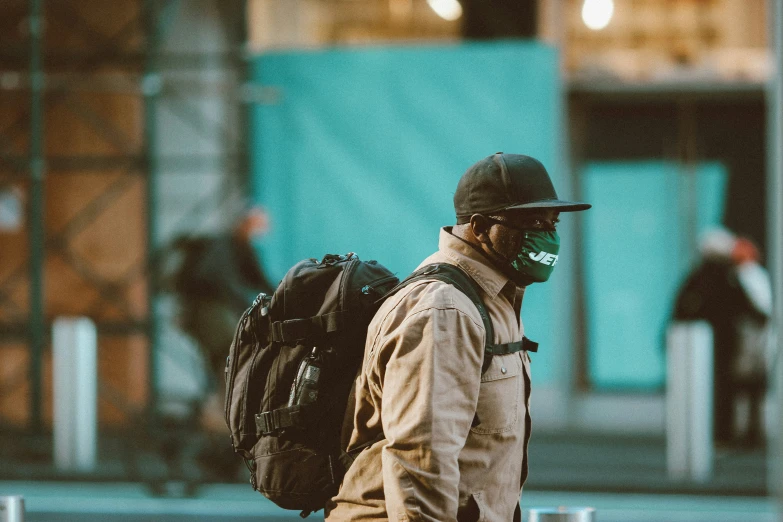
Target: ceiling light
column 597, row 14
column 447, row 9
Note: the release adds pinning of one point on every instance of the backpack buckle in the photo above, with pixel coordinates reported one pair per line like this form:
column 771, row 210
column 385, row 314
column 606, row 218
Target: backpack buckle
column 265, row 423
column 263, row 300
column 333, row 259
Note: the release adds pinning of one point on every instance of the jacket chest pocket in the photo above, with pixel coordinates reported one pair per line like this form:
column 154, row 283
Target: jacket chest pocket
column 500, row 395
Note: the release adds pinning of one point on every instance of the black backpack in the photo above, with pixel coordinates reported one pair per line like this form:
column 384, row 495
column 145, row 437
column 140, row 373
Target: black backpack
column 292, row 365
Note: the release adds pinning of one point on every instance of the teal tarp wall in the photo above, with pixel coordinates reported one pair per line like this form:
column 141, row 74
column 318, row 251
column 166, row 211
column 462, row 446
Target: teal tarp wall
column 364, row 148
column 635, row 260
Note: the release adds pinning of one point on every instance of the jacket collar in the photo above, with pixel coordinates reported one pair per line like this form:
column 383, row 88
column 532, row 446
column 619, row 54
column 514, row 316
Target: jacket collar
column 489, row 278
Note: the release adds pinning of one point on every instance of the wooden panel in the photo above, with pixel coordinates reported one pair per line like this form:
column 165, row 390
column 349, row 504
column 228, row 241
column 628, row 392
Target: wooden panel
column 122, row 366
column 310, row 23
column 649, row 39
column 104, row 252
column 93, row 26
column 96, row 218
column 94, row 123
column 13, row 33
column 122, row 370
column 14, row 386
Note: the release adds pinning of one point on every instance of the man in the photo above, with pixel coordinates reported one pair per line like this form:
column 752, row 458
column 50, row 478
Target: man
column 730, row 290
column 446, row 441
column 217, row 279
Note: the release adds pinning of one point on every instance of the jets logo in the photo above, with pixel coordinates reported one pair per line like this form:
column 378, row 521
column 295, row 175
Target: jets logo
column 544, row 257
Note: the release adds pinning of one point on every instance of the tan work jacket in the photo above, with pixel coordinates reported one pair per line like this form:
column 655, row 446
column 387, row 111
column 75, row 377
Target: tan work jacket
column 421, row 386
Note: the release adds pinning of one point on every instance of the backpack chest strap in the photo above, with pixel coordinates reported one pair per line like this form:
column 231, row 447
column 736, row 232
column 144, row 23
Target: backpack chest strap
column 454, row 275
column 317, row 325
column 507, row 348
column 270, row 421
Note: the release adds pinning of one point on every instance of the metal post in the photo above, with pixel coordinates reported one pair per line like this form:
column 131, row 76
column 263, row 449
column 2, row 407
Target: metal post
column 151, row 88
column 36, row 211
column 245, row 106
column 775, row 227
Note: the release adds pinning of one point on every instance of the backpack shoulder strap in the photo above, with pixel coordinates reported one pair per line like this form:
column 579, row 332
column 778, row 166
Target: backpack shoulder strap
column 456, row 277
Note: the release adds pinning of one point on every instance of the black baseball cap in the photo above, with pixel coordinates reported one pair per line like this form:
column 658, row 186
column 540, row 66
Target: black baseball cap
column 504, row 182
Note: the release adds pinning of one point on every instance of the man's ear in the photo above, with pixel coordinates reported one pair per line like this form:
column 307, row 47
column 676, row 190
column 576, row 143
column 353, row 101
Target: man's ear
column 480, row 226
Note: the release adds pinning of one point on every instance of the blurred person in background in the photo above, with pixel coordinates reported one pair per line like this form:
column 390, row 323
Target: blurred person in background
column 730, row 290
column 446, row 426
column 217, row 278
column 755, row 343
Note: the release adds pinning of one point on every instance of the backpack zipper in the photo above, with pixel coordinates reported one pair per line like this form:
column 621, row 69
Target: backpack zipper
column 231, row 361
column 231, row 369
column 251, row 466
column 353, row 262
column 373, row 287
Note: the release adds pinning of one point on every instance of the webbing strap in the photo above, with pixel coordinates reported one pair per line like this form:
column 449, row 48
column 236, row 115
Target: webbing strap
column 295, row 329
column 270, row 421
column 454, row 275
column 507, row 348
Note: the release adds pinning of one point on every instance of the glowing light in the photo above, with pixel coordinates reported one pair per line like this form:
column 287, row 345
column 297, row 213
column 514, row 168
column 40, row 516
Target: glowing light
column 597, row 14
column 447, row 9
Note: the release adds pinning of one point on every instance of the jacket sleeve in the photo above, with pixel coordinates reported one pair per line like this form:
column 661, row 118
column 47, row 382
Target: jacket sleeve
column 432, row 364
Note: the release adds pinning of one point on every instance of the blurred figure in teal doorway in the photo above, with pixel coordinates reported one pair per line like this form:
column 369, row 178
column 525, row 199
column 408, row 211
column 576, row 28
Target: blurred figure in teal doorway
column 730, row 290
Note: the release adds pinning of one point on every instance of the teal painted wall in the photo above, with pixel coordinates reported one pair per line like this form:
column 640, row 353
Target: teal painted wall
column 635, row 260
column 364, row 149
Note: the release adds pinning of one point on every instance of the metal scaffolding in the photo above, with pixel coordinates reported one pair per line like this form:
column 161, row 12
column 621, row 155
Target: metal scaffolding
column 134, row 58
column 36, row 217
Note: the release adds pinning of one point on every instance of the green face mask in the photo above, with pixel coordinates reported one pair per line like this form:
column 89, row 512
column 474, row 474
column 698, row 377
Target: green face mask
column 537, row 256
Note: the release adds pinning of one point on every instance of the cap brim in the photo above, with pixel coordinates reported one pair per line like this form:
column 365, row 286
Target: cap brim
column 554, row 204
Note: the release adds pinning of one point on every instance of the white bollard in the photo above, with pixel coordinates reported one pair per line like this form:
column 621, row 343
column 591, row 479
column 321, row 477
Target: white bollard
column 561, row 514
column 75, row 386
column 677, row 403
column 12, row 509
column 689, row 383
